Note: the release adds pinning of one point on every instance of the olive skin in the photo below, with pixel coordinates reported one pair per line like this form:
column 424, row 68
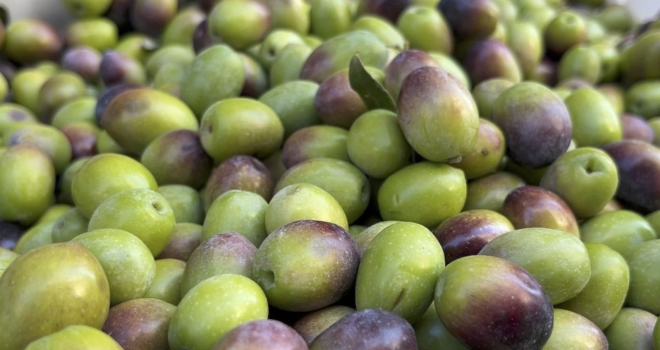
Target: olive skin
column 51, row 141
column 427, row 96
column 431, row 334
column 83, row 138
column 288, row 63
column 603, row 296
column 25, row 87
column 479, row 299
column 31, row 41
column 185, row 201
column 560, row 262
column 639, row 174
column 37, row 236
column 536, row 124
column 621, row 230
column 151, row 16
column 75, row 336
column 186, row 237
column 84, row 61
column 490, row 59
column 117, row 68
column 486, row 93
column 636, row 128
column 216, row 305
column 6, row 258
column 426, row 29
column 490, row 192
column 243, row 173
column 239, row 24
column 57, row 91
column 335, row 55
column 293, row 102
column 98, row 33
column 644, row 282
column 641, row 99
column 583, row 104
column 303, row 201
column 261, row 335
column 225, row 253
column 371, row 329
column 470, row 19
column 389, row 9
column 467, row 233
column 580, row 62
column 127, row 262
column 632, row 329
column 566, row 30
column 178, row 158
column 574, row 332
column 294, row 247
column 384, row 30
column 69, row 267
column 218, row 63
column 425, row 193
column 27, row 182
column 526, row 43
column 393, row 279
column 401, row 67
column 320, row 141
column 261, row 131
column 162, row 112
column 363, row 240
column 531, row 206
column 140, row 323
column 181, row 28
column 585, row 178
column 316, row 322
column 68, row 226
column 337, row 103
column 487, row 153
column 108, row 95
column 376, row 144
column 340, row 179
column 330, row 18
column 166, row 285
column 237, row 211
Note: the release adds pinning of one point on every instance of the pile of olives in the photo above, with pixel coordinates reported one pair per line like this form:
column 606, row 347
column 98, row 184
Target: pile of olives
column 330, row 175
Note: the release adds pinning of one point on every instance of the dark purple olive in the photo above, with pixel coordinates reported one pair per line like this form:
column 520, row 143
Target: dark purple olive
column 261, row 335
column 140, row 324
column 336, row 102
column 239, row 173
column 531, row 206
column 82, row 137
column 389, row 9
column 636, row 128
column 84, row 61
column 470, row 19
column 117, row 68
column 490, row 59
column 201, row 37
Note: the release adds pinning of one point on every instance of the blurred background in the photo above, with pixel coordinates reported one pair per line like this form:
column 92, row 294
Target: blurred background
column 54, row 12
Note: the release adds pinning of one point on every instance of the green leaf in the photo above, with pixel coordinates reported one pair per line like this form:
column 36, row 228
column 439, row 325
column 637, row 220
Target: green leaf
column 372, row 93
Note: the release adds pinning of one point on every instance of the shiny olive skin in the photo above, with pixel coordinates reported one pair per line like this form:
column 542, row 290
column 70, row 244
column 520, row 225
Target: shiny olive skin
column 340, row 179
column 117, row 68
column 181, row 28
column 532, row 206
column 641, row 99
column 371, row 329
column 237, row 211
column 437, row 114
column 490, row 191
column 37, row 236
column 140, row 323
column 486, row 93
column 243, row 173
column 273, row 44
column 76, row 111
column 261, row 335
column 603, row 296
column 583, row 104
column 28, row 283
column 396, row 280
column 320, row 141
column 585, row 178
column 69, row 226
column 574, row 332
column 526, row 43
column 289, row 63
column 316, row 322
column 632, row 329
column 401, row 67
column 487, row 302
column 337, row 103
column 57, row 91
column 303, row 202
column 25, row 88
column 6, row 258
column 185, row 201
column 471, row 19
column 431, row 334
column 639, row 168
column 239, row 24
column 97, row 33
column 225, row 253
column 218, row 63
column 490, row 59
column 535, row 122
column 162, row 112
column 636, row 128
column 293, row 102
column 425, row 29
column 31, row 41
column 486, row 156
column 425, row 193
column 66, row 180
column 261, row 131
column 621, row 230
column 127, row 262
column 151, row 16
column 363, row 240
column 292, row 275
column 467, row 233
column 75, row 336
column 376, row 144
column 384, row 30
column 142, row 212
column 212, row 309
column 27, row 182
column 185, row 239
column 178, row 158
column 84, row 61
column 335, row 54
column 558, row 260
column 580, row 62
column 83, row 138
column 330, row 18
column 566, row 30
column 644, row 281
column 48, row 139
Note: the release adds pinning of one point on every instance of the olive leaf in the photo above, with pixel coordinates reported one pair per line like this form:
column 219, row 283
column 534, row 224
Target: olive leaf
column 372, row 93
